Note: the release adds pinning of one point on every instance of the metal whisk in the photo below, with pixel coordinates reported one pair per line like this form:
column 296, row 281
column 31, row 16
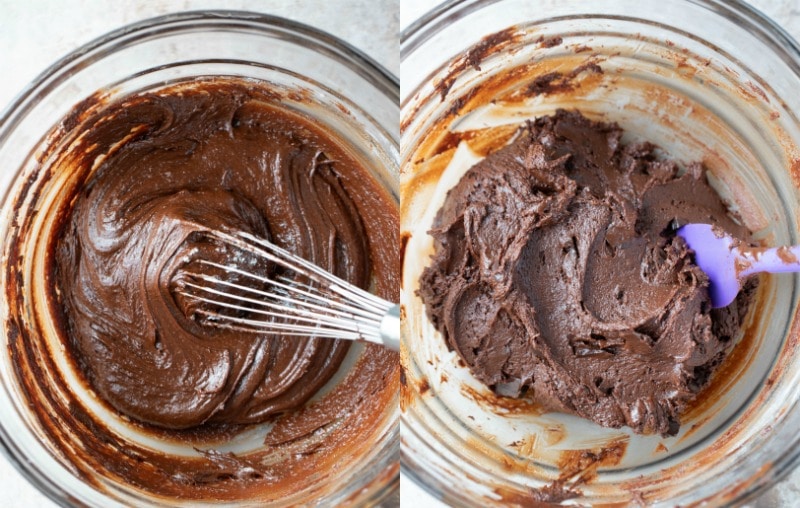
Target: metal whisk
column 326, row 306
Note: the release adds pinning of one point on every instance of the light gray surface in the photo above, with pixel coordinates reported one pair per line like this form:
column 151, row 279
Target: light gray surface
column 36, row 33
column 787, row 493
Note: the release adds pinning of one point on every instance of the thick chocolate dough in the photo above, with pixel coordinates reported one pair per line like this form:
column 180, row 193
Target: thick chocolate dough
column 556, row 270
column 173, row 165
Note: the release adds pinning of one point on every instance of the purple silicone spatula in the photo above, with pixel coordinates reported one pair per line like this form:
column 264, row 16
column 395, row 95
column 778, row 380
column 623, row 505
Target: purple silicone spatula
column 727, row 261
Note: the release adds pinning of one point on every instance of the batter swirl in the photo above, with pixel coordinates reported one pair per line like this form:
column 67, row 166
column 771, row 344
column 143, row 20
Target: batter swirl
column 176, row 165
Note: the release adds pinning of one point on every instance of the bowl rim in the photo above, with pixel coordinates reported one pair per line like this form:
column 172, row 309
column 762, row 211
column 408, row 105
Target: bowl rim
column 353, row 58
column 758, row 23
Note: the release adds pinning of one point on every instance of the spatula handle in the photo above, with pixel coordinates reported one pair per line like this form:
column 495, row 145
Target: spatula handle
column 775, row 260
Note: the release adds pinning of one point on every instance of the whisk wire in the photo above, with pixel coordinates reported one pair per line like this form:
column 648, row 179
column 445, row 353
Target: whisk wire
column 324, row 306
column 333, row 282
column 332, row 308
column 297, row 314
column 251, row 325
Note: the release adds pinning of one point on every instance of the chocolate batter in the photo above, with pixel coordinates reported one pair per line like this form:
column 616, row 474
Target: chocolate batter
column 215, row 157
column 556, row 271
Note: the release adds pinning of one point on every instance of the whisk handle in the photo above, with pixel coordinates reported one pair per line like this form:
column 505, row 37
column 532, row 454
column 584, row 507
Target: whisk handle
column 390, row 328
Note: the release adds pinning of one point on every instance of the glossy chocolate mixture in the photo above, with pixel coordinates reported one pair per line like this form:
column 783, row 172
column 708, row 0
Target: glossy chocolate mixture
column 556, row 272
column 213, row 158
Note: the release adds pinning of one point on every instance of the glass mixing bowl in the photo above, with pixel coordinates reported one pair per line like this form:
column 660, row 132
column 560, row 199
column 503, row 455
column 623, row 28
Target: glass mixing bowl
column 317, row 75
column 705, row 80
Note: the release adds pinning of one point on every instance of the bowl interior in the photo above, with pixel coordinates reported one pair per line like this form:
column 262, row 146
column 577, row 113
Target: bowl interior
column 660, row 84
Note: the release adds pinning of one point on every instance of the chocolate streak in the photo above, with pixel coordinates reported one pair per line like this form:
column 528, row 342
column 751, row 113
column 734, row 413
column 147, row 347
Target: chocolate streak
column 555, row 270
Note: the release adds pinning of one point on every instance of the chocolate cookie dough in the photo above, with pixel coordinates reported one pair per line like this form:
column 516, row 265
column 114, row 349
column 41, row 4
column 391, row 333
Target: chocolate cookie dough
column 556, row 271
column 216, row 156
